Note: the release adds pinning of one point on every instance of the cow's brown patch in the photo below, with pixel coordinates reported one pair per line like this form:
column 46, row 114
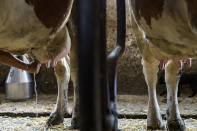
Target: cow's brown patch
column 52, row 13
column 192, row 11
column 147, row 9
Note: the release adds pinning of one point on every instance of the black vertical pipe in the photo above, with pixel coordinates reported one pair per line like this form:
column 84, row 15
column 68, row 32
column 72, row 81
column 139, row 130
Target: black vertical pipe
column 92, row 63
column 119, row 49
column 104, row 93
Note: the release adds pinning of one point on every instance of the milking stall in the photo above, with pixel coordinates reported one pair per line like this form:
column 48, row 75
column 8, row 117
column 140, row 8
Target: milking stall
column 98, row 65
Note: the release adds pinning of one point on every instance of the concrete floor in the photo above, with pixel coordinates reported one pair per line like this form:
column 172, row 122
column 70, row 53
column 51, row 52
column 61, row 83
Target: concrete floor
column 127, row 104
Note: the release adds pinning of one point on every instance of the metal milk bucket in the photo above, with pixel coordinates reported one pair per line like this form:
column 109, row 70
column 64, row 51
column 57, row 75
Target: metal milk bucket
column 18, row 85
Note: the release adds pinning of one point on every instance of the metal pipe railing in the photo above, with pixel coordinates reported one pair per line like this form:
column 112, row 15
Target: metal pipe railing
column 97, row 76
column 92, row 63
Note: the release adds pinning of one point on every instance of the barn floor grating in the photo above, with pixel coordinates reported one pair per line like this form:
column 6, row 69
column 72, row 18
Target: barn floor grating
column 17, row 116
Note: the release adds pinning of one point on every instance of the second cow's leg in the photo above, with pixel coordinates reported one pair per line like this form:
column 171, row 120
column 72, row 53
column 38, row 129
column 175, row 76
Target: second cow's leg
column 62, row 71
column 75, row 112
column 150, row 69
column 74, row 78
column 174, row 121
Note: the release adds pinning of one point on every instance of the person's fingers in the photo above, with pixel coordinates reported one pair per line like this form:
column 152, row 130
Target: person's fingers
column 54, row 63
column 189, row 62
column 48, row 64
column 38, row 68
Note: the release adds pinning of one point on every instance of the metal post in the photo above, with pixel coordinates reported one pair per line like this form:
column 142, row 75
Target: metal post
column 92, row 63
column 113, row 57
column 119, row 49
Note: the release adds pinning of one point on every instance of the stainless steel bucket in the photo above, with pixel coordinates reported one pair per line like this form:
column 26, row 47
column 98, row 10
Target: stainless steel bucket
column 18, row 85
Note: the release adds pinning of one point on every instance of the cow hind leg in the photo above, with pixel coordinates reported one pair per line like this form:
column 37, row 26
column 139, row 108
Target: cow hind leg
column 193, row 87
column 62, row 71
column 174, row 121
column 75, row 111
column 150, row 69
column 74, row 71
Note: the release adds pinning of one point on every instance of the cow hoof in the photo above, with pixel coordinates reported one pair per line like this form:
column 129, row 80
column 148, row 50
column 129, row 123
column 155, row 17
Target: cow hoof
column 163, row 128
column 111, row 122
column 176, row 125
column 55, row 119
column 156, row 123
column 74, row 124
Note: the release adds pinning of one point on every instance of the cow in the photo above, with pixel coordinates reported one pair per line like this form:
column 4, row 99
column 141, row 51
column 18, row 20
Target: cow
column 39, row 28
column 166, row 32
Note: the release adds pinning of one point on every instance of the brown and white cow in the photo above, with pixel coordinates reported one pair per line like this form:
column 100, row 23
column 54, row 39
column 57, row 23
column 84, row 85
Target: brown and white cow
column 38, row 28
column 166, row 31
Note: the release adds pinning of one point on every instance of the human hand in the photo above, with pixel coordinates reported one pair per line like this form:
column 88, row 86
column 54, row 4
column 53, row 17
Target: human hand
column 34, row 67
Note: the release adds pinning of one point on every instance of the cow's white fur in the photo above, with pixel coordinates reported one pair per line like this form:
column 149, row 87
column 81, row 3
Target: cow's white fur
column 172, row 80
column 22, row 32
column 150, row 69
column 176, row 31
column 62, row 71
column 20, row 29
